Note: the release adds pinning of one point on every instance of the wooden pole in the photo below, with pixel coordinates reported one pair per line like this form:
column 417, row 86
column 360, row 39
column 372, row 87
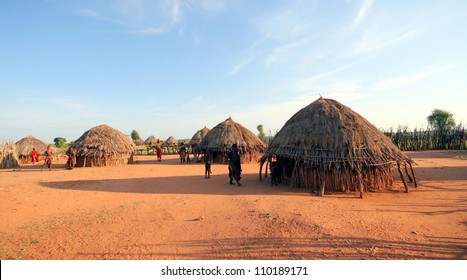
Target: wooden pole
column 407, row 172
column 402, row 177
column 261, row 171
column 413, row 175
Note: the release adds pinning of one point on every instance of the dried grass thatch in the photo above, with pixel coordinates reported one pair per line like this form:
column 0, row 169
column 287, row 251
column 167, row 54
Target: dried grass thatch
column 327, row 146
column 170, row 142
column 138, row 142
column 220, row 139
column 8, row 156
column 198, row 137
column 104, row 146
column 151, row 141
column 24, row 148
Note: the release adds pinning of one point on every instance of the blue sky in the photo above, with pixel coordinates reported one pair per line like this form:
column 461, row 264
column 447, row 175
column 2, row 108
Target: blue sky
column 169, row 68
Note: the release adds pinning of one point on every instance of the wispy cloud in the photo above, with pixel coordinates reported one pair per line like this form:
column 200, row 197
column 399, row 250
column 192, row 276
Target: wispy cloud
column 362, row 12
column 146, row 17
column 280, row 54
column 240, row 66
column 376, row 39
column 285, row 24
column 411, row 77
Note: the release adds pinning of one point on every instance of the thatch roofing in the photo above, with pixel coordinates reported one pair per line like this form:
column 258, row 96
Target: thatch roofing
column 151, row 141
column 327, row 132
column 104, row 141
column 198, row 136
column 330, row 147
column 228, row 132
column 25, row 146
column 171, row 141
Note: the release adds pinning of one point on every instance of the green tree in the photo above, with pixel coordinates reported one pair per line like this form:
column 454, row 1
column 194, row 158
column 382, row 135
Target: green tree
column 441, row 120
column 60, row 142
column 261, row 133
column 135, row 135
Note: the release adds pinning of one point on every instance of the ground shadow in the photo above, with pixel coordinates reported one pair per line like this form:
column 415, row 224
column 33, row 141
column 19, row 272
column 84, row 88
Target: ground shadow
column 322, row 247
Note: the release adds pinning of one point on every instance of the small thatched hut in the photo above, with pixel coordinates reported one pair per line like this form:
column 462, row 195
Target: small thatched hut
column 8, row 158
column 328, row 147
column 138, row 142
column 104, row 146
column 198, row 137
column 25, row 146
column 220, row 139
column 195, row 142
column 170, row 145
column 151, row 141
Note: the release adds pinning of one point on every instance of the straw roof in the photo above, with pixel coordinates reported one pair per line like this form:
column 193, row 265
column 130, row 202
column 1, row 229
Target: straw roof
column 327, row 132
column 228, row 132
column 151, row 141
column 198, row 137
column 138, row 142
column 103, row 146
column 8, row 157
column 328, row 145
column 171, row 141
column 25, row 146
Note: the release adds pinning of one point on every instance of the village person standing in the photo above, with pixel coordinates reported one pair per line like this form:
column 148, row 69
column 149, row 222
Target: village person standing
column 159, row 153
column 48, row 157
column 207, row 165
column 34, row 156
column 70, row 164
column 235, row 167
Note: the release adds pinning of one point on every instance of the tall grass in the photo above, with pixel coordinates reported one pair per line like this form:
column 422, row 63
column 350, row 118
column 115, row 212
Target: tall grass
column 428, row 139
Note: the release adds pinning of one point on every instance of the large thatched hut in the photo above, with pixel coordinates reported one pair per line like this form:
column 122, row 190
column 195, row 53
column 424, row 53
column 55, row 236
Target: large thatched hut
column 328, row 147
column 104, row 146
column 8, row 156
column 24, row 147
column 220, row 139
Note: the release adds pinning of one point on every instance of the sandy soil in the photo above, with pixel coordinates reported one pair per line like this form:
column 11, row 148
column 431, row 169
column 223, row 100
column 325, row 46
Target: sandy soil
column 169, row 211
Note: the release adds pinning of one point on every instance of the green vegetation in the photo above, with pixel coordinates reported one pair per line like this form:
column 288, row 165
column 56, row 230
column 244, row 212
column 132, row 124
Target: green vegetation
column 135, row 135
column 60, row 142
column 441, row 120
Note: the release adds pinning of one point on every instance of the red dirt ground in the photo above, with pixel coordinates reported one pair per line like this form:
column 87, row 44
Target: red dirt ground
column 167, row 210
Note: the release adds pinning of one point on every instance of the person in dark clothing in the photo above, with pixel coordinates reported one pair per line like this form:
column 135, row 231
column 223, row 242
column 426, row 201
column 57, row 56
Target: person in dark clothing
column 235, row 167
column 70, row 164
column 274, row 173
column 207, row 165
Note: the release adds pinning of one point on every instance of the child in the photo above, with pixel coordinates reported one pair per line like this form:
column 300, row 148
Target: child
column 207, row 166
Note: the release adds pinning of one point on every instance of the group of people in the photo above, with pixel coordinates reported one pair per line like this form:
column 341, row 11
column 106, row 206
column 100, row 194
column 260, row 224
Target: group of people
column 49, row 155
column 235, row 166
column 233, row 156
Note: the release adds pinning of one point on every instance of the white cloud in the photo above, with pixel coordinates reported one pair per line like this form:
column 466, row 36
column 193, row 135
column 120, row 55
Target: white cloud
column 408, row 78
column 240, row 66
column 362, row 12
column 375, row 39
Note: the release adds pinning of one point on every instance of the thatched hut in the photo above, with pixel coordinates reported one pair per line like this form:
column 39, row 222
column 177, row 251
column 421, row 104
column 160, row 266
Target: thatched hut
column 104, row 146
column 220, row 139
column 151, row 141
column 195, row 142
column 8, row 156
column 138, row 142
column 328, row 147
column 170, row 145
column 24, row 147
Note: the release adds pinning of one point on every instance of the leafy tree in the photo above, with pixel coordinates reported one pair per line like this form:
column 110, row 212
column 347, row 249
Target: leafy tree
column 135, row 135
column 261, row 133
column 60, row 142
column 441, row 120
